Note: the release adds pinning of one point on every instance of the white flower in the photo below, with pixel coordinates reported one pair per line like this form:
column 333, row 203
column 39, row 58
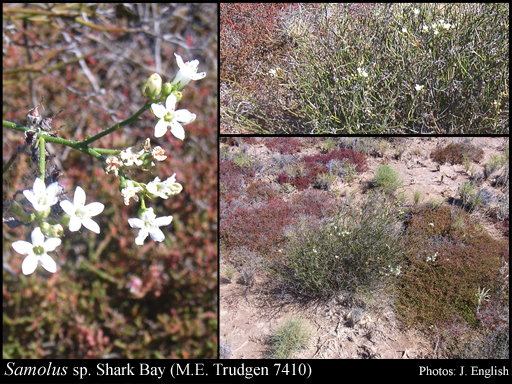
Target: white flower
column 416, row 11
column 148, row 224
column 447, row 25
column 80, row 214
column 164, row 189
column 424, row 29
column 37, row 252
column 404, row 30
column 158, row 153
column 130, row 191
column 42, row 197
column 431, row 224
column 114, row 163
column 171, row 118
column 345, row 233
column 362, row 72
column 129, row 157
column 187, row 72
column 436, row 32
column 419, row 87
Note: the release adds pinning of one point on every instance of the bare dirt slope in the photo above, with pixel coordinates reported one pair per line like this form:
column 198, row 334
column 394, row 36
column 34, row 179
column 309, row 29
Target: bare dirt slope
column 248, row 315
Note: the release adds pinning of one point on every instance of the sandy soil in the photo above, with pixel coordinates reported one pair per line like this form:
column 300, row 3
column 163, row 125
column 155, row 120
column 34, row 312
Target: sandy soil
column 248, row 315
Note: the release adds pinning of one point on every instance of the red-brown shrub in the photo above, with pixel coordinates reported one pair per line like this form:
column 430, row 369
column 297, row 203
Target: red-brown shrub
column 284, row 145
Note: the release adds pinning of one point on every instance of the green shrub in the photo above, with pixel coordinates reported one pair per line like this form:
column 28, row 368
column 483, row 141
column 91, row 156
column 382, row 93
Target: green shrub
column 357, row 248
column 387, row 179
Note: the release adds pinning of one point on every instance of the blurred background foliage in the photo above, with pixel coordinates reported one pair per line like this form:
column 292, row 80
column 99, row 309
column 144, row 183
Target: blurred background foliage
column 109, row 297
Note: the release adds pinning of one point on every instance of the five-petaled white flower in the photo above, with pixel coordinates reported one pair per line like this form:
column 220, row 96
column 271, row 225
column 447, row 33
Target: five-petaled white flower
column 166, row 188
column 187, row 72
column 129, row 157
column 37, row 252
column 80, row 214
column 148, row 225
column 169, row 117
column 130, row 191
column 419, row 87
column 42, row 197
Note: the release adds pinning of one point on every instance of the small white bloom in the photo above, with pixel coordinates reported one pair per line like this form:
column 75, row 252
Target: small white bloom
column 164, row 189
column 171, row 118
column 37, row 252
column 362, row 72
column 273, row 72
column 431, row 224
column 436, row 32
column 130, row 191
column 424, row 29
column 113, row 164
column 80, row 214
column 148, row 224
column 158, row 153
column 129, row 157
column 416, row 11
column 187, row 72
column 314, row 250
column 42, row 197
column 419, row 87
column 447, row 25
column 404, row 30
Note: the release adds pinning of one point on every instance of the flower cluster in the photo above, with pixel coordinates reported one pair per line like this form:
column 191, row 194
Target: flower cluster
column 51, row 209
column 77, row 214
column 437, row 26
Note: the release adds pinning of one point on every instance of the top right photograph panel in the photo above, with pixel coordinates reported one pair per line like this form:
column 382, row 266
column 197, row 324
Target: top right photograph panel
column 360, row 68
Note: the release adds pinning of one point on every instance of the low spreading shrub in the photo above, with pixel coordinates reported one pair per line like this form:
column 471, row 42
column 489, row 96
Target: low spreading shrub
column 284, row 145
column 456, row 153
column 355, row 249
column 449, row 258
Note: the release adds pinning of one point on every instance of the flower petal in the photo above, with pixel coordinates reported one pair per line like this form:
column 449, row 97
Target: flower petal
column 29, row 264
column 157, row 234
column 91, row 225
column 74, row 223
column 161, row 128
column 170, row 102
column 184, row 116
column 39, row 187
column 79, row 199
column 164, row 220
column 177, row 130
column 94, row 209
column 136, row 223
column 48, row 263
column 23, row 247
column 143, row 233
column 37, row 237
column 68, row 207
column 51, row 243
column 158, row 110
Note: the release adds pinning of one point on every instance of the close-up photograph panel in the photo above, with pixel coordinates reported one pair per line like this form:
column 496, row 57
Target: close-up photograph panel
column 110, row 148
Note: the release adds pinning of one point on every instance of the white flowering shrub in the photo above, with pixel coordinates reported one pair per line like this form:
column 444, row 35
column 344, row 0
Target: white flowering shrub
column 355, row 250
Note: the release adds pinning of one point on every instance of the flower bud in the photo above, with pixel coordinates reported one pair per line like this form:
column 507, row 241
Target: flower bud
column 153, row 86
column 166, row 90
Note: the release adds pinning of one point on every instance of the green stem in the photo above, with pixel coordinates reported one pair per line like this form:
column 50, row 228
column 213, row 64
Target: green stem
column 119, row 125
column 42, row 158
